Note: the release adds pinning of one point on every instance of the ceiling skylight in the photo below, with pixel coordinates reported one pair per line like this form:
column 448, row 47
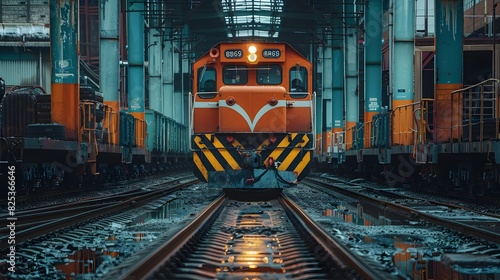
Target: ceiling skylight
column 252, row 18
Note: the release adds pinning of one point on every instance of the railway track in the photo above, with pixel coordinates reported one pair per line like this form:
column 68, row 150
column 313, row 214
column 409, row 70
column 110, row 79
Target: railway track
column 32, row 223
column 263, row 240
column 451, row 216
column 47, row 198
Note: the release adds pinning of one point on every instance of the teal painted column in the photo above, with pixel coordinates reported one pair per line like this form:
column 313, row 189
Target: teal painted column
column 404, row 46
column 109, row 51
column 317, row 56
column 65, row 74
column 327, row 95
column 167, row 74
column 351, row 70
column 154, row 52
column 373, row 62
column 449, row 41
column 448, row 66
column 403, row 71
column 181, row 100
column 135, row 77
column 338, row 75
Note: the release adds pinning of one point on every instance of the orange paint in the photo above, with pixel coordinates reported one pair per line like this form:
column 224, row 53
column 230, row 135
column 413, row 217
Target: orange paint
column 403, row 124
column 65, row 106
column 138, row 115
column 298, row 119
column 251, row 111
column 446, row 115
column 114, row 126
column 209, row 117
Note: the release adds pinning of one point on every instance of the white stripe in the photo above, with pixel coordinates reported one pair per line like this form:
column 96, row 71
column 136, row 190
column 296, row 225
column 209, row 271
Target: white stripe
column 251, row 124
column 205, row 105
column 266, row 108
column 301, row 104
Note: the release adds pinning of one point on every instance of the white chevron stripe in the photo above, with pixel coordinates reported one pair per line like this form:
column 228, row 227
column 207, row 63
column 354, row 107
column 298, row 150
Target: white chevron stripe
column 252, row 123
column 241, row 111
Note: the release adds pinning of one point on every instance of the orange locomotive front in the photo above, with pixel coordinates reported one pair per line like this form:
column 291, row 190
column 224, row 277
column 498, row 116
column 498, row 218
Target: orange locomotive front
column 252, row 116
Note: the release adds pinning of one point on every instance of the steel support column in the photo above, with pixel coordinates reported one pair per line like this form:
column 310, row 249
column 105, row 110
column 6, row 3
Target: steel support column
column 403, row 71
column 135, row 35
column 448, row 67
column 319, row 100
column 351, row 71
column 338, row 77
column 154, row 60
column 65, row 66
column 180, row 99
column 109, row 70
column 373, row 63
column 167, row 74
column 327, row 96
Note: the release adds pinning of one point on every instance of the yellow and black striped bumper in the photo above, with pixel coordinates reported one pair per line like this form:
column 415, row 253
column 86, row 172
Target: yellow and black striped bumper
column 218, row 160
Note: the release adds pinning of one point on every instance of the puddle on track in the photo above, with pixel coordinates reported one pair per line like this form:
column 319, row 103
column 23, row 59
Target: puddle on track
column 412, row 256
column 86, row 260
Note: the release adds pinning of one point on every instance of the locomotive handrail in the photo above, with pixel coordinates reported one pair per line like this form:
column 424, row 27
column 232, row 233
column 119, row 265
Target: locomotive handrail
column 349, row 131
column 313, row 119
column 402, row 131
column 141, row 129
column 339, row 141
column 191, row 117
column 422, row 124
column 367, row 132
column 88, row 110
column 470, row 113
column 423, row 103
column 110, row 123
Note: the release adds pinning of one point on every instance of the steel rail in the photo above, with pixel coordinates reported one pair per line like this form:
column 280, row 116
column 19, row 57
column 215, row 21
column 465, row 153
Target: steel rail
column 339, row 252
column 148, row 265
column 457, row 226
column 66, row 221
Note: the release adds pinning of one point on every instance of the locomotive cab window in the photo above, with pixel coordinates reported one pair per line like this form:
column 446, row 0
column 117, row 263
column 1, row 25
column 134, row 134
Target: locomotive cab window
column 207, row 82
column 269, row 74
column 235, row 75
column 298, row 82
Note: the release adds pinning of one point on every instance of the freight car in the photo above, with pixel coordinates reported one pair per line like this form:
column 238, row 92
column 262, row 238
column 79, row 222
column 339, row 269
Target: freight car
column 252, row 115
column 110, row 145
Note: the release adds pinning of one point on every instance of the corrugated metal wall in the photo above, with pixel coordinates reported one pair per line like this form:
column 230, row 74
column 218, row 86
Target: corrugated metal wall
column 20, row 72
column 26, row 72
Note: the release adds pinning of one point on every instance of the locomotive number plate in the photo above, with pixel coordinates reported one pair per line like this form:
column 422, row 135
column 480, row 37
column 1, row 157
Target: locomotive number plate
column 233, row 53
column 271, row 53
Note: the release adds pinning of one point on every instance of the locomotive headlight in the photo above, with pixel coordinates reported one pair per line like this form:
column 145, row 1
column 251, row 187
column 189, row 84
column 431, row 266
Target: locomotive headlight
column 252, row 57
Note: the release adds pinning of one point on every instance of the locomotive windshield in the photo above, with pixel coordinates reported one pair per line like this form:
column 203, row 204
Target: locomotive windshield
column 298, row 79
column 269, row 74
column 235, row 75
column 207, row 79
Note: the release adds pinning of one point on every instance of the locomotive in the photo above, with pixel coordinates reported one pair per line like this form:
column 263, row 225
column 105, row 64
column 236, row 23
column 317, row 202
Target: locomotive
column 406, row 146
column 252, row 116
column 109, row 146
